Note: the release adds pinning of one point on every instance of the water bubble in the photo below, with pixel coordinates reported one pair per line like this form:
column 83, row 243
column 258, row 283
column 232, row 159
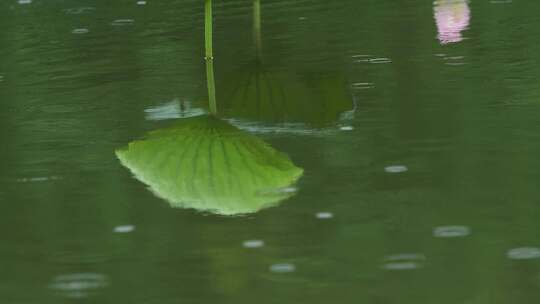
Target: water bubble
column 396, row 169
column 253, row 244
column 451, row 231
column 302, row 18
column 324, row 215
column 523, row 253
column 346, row 128
column 141, row 2
column 283, row 268
column 79, row 31
column 79, row 285
column 24, row 1
column 124, row 229
column 1, row 78
column 404, row 261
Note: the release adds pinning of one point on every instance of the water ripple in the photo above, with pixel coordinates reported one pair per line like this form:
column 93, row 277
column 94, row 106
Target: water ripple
column 79, row 31
column 283, row 268
column 79, row 285
column 123, row 22
column 396, row 169
column 523, row 253
column 79, row 10
column 324, row 215
column 404, row 261
column 451, row 231
column 253, row 244
column 124, row 229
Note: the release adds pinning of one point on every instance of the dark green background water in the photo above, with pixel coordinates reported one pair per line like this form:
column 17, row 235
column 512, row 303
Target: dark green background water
column 464, row 117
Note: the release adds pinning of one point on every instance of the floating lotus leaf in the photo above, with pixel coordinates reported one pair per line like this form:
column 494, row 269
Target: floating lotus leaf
column 206, row 164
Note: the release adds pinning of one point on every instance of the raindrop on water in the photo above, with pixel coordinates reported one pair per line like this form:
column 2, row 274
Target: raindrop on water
column 401, row 266
column 451, row 231
column 396, row 169
column 253, row 244
column 79, row 31
column 283, row 268
column 380, row 60
column 405, row 261
column 324, row 215
column 37, row 179
column 523, row 253
column 79, row 285
column 124, row 229
column 360, row 56
column 122, row 22
column 79, row 10
column 363, row 85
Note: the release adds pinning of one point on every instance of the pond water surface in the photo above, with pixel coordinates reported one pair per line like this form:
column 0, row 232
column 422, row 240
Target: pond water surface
column 365, row 152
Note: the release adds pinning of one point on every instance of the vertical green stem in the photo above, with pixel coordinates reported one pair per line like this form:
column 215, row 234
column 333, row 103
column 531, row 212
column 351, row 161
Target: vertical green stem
column 208, row 29
column 257, row 26
column 210, row 83
column 209, row 56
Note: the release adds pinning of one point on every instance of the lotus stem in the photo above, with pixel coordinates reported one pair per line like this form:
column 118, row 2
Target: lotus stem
column 208, row 29
column 257, row 26
column 210, row 83
column 209, row 56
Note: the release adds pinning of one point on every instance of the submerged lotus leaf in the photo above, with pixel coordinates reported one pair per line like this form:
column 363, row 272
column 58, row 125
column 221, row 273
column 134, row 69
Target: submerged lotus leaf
column 206, row 164
column 255, row 93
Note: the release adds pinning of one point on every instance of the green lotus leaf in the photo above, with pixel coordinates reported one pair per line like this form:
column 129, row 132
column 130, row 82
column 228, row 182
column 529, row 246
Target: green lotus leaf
column 206, row 164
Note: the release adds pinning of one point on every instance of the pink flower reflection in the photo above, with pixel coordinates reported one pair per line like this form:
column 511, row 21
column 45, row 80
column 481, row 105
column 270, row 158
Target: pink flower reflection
column 452, row 17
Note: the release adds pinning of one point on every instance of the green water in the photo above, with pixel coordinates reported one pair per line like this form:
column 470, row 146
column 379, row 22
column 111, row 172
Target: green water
column 399, row 119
